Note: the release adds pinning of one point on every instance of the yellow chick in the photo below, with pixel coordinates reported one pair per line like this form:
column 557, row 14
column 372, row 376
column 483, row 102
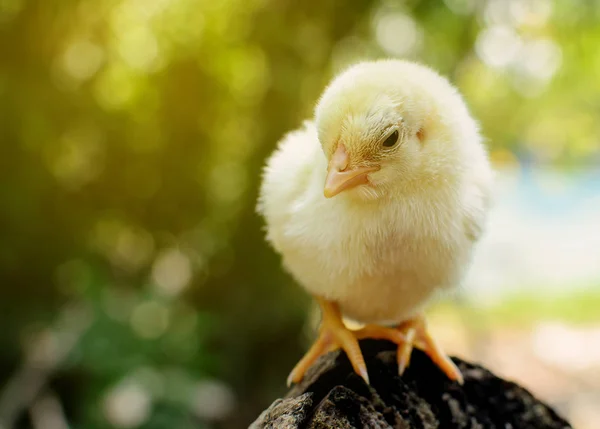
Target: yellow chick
column 375, row 206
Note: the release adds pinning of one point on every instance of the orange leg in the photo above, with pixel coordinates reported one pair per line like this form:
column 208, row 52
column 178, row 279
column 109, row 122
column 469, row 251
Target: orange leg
column 416, row 335
column 332, row 334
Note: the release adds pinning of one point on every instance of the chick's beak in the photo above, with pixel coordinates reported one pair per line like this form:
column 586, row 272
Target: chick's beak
column 341, row 178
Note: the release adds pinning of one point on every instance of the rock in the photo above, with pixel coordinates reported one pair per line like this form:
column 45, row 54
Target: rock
column 333, row 396
column 286, row 413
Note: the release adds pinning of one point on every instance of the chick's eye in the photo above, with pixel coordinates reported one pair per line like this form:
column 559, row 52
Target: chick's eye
column 391, row 140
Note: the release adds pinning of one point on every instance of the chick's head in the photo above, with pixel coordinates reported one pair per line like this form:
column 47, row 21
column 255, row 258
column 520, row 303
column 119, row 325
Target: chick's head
column 390, row 127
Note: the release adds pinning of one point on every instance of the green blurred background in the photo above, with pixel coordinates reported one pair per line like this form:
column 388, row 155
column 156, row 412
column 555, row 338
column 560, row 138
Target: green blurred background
column 136, row 286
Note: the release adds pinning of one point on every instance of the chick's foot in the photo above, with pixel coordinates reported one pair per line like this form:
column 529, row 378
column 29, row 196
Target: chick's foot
column 332, row 334
column 416, row 335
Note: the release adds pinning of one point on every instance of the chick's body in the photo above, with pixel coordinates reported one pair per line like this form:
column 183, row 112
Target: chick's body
column 380, row 255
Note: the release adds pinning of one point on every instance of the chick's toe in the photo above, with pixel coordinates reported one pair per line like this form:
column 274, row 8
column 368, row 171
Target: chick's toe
column 332, row 334
column 416, row 335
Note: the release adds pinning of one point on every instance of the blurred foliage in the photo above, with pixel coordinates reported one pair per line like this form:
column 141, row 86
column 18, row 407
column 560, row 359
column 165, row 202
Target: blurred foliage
column 132, row 136
column 527, row 308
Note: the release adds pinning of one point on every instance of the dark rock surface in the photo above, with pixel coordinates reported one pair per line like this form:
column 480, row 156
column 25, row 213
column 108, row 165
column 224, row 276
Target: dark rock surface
column 332, row 396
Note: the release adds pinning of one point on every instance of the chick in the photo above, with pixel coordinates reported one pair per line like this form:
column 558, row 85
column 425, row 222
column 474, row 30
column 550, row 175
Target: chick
column 376, row 204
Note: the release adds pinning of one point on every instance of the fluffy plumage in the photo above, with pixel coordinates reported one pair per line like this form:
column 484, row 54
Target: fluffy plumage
column 380, row 250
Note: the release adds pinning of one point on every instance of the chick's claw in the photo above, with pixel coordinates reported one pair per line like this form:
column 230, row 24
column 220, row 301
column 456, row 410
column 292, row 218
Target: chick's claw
column 333, row 334
column 405, row 350
column 416, row 335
